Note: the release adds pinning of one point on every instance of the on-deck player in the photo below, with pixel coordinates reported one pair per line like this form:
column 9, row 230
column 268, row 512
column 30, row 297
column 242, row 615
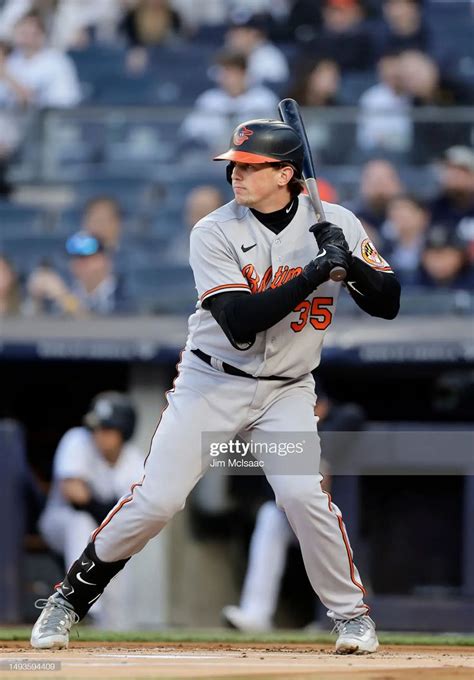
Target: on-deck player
column 265, row 302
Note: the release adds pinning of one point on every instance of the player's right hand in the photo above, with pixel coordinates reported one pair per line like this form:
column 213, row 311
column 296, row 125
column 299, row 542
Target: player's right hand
column 330, row 256
column 327, row 233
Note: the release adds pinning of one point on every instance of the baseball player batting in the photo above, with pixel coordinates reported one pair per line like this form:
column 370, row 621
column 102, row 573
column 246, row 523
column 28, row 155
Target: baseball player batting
column 262, row 271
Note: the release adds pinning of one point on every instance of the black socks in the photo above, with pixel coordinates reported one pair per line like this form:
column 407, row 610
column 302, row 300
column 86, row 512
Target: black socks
column 87, row 579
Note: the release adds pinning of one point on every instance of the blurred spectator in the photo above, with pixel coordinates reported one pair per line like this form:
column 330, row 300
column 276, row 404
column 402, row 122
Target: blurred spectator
column 384, row 122
column 219, row 109
column 327, row 192
column 202, row 13
column 403, row 26
column 379, row 183
column 10, row 136
column 10, row 292
column 344, row 36
column 149, row 23
column 103, row 219
column 444, row 261
column 94, row 465
column 405, row 227
column 200, row 201
column 422, row 80
column 93, row 286
column 265, row 62
column 69, row 23
column 303, row 23
column 454, row 207
column 12, row 91
column 318, row 84
column 35, row 73
column 13, row 10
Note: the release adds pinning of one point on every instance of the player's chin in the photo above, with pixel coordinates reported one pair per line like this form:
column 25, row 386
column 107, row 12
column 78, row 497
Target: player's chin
column 241, row 197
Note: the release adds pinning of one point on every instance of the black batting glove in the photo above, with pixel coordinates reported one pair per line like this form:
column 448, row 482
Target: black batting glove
column 319, row 269
column 327, row 233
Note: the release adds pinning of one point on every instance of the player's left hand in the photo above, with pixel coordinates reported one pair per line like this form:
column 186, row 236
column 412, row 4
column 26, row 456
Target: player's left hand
column 328, row 234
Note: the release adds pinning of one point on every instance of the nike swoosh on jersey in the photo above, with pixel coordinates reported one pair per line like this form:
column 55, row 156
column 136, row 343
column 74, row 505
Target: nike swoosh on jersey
column 321, row 254
column 87, row 583
column 351, row 285
column 245, row 250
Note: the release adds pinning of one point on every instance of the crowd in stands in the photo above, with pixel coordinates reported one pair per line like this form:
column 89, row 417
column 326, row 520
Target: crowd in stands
column 233, row 61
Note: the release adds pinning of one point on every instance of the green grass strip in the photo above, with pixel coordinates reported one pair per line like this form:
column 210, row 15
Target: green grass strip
column 230, row 636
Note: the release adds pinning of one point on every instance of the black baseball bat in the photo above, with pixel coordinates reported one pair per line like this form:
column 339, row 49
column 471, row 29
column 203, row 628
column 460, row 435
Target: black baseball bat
column 290, row 113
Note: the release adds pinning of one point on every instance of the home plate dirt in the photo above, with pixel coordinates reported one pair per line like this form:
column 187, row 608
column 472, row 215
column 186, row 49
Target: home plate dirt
column 221, row 660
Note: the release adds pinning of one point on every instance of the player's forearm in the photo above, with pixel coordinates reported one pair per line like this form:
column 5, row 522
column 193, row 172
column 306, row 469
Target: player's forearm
column 75, row 490
column 98, row 509
column 377, row 293
column 241, row 316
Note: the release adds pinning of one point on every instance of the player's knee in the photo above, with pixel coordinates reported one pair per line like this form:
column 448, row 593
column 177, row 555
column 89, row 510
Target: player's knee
column 163, row 508
column 299, row 494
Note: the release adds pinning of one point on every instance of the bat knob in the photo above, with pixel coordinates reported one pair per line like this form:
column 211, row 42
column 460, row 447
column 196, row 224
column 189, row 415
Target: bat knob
column 338, row 274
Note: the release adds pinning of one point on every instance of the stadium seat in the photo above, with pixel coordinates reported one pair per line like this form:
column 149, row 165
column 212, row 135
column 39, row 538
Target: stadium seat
column 95, row 57
column 27, row 253
column 164, row 289
column 166, row 222
column 71, row 143
column 174, row 185
column 19, row 220
column 353, row 85
column 69, row 220
column 132, row 193
column 139, row 252
column 137, row 143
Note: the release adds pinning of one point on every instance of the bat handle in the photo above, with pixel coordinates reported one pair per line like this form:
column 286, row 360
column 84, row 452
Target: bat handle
column 338, row 274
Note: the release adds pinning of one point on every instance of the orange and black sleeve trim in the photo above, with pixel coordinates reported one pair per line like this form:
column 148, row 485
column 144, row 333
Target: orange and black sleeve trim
column 227, row 287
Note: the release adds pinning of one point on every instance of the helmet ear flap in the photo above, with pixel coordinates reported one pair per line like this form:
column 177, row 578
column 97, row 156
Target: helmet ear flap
column 228, row 171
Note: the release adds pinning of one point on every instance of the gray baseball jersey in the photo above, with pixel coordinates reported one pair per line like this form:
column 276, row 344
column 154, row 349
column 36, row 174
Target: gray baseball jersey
column 232, row 251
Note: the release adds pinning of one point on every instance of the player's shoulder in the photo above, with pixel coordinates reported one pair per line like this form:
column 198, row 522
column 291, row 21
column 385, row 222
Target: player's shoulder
column 77, row 442
column 76, row 435
column 218, row 218
column 335, row 213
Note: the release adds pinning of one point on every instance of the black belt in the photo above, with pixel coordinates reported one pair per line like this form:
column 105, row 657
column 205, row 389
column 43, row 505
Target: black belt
column 231, row 370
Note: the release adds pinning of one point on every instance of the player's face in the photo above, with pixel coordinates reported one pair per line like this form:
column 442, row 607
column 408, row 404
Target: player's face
column 263, row 186
column 109, row 442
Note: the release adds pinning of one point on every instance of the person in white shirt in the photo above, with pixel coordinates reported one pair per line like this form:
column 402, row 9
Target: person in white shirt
column 384, row 120
column 36, row 74
column 216, row 110
column 94, row 466
column 68, row 22
column 265, row 62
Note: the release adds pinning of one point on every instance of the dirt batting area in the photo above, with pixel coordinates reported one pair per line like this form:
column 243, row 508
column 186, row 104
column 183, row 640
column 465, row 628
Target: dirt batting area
column 233, row 661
